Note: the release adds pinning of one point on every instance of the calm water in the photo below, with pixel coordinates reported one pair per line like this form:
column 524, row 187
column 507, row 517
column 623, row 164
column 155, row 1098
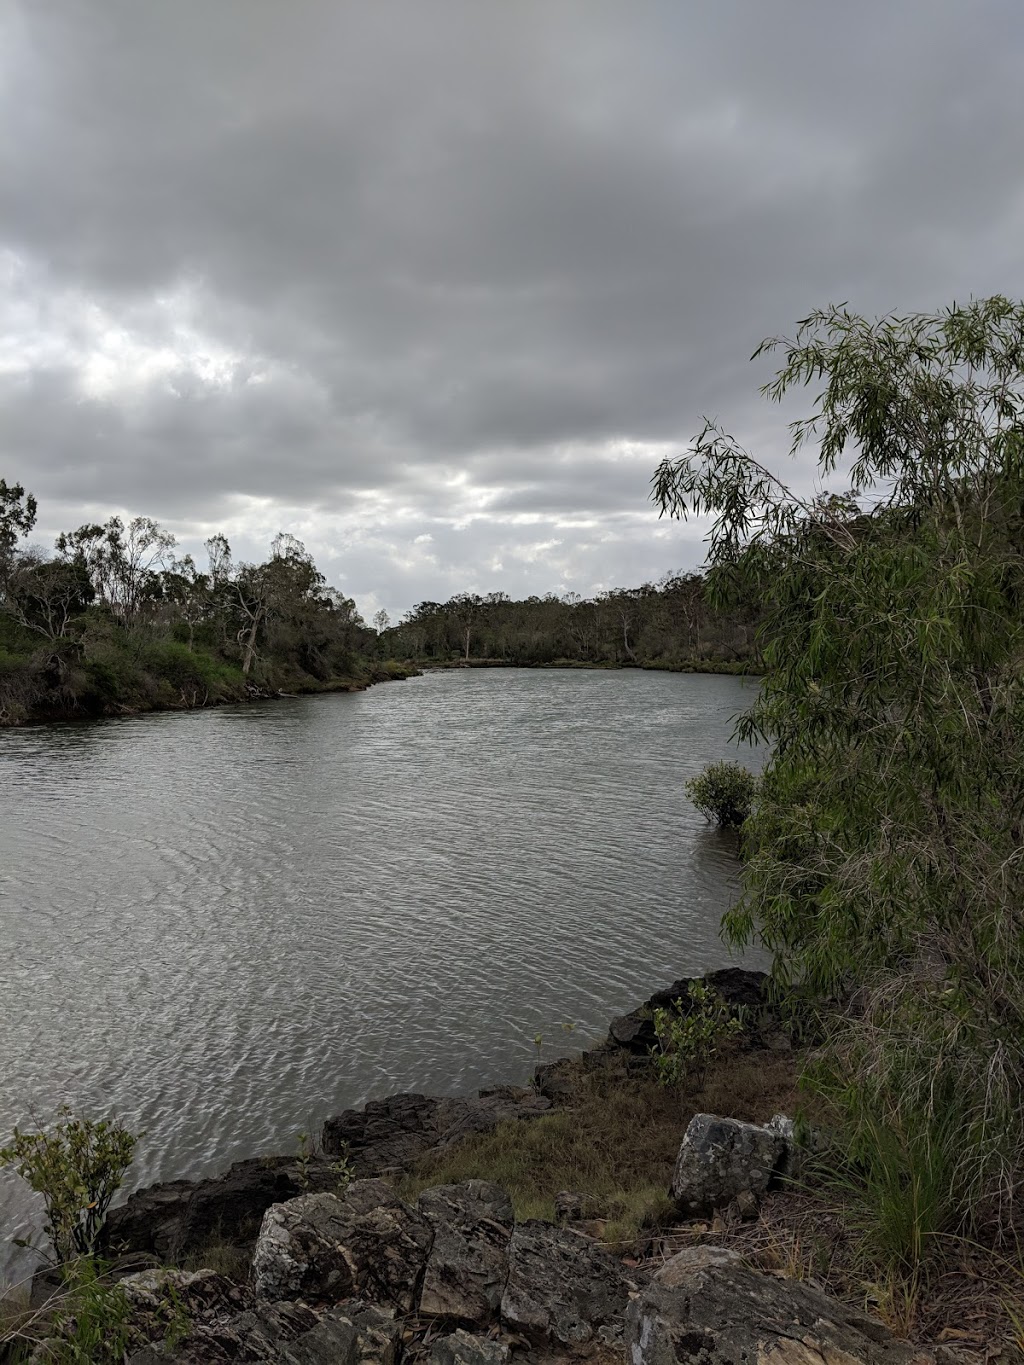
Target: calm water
column 224, row 926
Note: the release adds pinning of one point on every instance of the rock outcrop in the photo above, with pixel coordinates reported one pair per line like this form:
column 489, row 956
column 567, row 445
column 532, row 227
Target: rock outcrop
column 461, row 1348
column 562, row 1287
column 737, row 987
column 337, row 1278
column 467, row 1266
column 349, row 1333
column 177, row 1217
column 320, row 1248
column 180, row 1216
column 395, row 1131
column 720, row 1314
column 720, row 1159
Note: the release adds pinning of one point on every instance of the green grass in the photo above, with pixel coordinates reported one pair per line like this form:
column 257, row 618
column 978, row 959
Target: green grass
column 615, row 1144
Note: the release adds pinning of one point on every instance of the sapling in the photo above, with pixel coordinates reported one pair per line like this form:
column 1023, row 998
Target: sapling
column 688, row 1039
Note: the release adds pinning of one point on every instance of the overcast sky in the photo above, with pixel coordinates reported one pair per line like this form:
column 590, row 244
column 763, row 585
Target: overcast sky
column 434, row 284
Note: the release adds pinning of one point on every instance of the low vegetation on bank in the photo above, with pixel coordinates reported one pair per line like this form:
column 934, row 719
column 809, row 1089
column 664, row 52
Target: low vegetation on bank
column 613, row 1141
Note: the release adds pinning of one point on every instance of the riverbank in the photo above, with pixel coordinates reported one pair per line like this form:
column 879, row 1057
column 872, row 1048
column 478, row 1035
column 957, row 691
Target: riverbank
column 592, row 1150
column 727, row 667
column 197, row 683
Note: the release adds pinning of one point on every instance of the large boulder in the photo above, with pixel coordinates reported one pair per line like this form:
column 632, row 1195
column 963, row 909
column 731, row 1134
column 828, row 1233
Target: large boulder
column 468, row 1262
column 562, row 1288
column 180, row 1216
column 366, row 1244
column 395, row 1131
column 737, row 987
column 722, row 1158
column 720, row 1314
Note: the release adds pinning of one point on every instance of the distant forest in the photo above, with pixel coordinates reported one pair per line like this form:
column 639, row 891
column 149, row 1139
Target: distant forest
column 670, row 624
column 113, row 621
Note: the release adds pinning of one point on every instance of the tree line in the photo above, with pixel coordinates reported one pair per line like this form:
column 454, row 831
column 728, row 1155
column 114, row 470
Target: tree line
column 113, row 620
column 667, row 624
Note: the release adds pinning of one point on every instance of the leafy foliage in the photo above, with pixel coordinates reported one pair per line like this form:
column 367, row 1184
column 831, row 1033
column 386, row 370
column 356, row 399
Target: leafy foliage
column 724, row 793
column 77, row 1167
column 689, row 1036
column 886, row 873
column 114, row 622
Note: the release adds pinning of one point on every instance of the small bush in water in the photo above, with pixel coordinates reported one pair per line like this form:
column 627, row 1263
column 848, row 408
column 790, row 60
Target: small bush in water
column 723, row 792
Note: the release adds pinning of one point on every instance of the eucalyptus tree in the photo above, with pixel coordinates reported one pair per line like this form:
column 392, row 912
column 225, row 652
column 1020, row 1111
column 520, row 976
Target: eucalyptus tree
column 123, row 562
column 887, row 852
column 18, row 511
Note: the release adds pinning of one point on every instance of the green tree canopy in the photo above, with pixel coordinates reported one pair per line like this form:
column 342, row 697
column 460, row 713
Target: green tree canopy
column 889, row 840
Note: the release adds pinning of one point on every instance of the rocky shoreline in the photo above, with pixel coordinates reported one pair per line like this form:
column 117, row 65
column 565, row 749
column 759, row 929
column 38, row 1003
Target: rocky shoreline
column 351, row 1272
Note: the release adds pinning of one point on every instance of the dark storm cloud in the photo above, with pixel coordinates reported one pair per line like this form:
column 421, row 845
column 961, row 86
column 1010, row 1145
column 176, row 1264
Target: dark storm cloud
column 383, row 272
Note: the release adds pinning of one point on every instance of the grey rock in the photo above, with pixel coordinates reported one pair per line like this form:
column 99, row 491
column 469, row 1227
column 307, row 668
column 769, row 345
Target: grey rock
column 561, row 1286
column 463, row 1349
column 350, row 1334
column 170, row 1219
column 556, row 1080
column 394, row 1132
column 678, row 1268
column 320, row 1247
column 723, row 1314
column 468, row 1263
column 193, row 1289
column 719, row 1159
column 737, row 987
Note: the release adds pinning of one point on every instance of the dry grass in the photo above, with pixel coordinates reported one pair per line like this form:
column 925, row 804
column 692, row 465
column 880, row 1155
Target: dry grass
column 233, row 1260
column 615, row 1142
column 974, row 1302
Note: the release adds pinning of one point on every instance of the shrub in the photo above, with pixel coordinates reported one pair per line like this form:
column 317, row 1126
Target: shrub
column 724, row 792
column 688, row 1037
column 77, row 1167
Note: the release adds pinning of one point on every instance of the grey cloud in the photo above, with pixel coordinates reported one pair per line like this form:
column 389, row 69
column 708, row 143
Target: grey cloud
column 450, row 255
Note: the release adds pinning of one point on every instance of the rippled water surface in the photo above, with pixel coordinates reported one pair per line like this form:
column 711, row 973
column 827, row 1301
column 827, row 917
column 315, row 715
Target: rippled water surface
column 225, row 925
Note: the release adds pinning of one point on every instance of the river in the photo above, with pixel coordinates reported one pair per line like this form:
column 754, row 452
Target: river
column 223, row 926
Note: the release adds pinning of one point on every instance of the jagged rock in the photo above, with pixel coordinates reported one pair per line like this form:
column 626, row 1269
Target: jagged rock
column 737, row 987
column 395, row 1131
column 678, row 1268
column 468, row 1262
column 181, row 1215
column 367, row 1243
column 350, row 1334
column 561, row 1286
column 463, row 1349
column 722, row 1314
column 195, row 1290
column 721, row 1158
